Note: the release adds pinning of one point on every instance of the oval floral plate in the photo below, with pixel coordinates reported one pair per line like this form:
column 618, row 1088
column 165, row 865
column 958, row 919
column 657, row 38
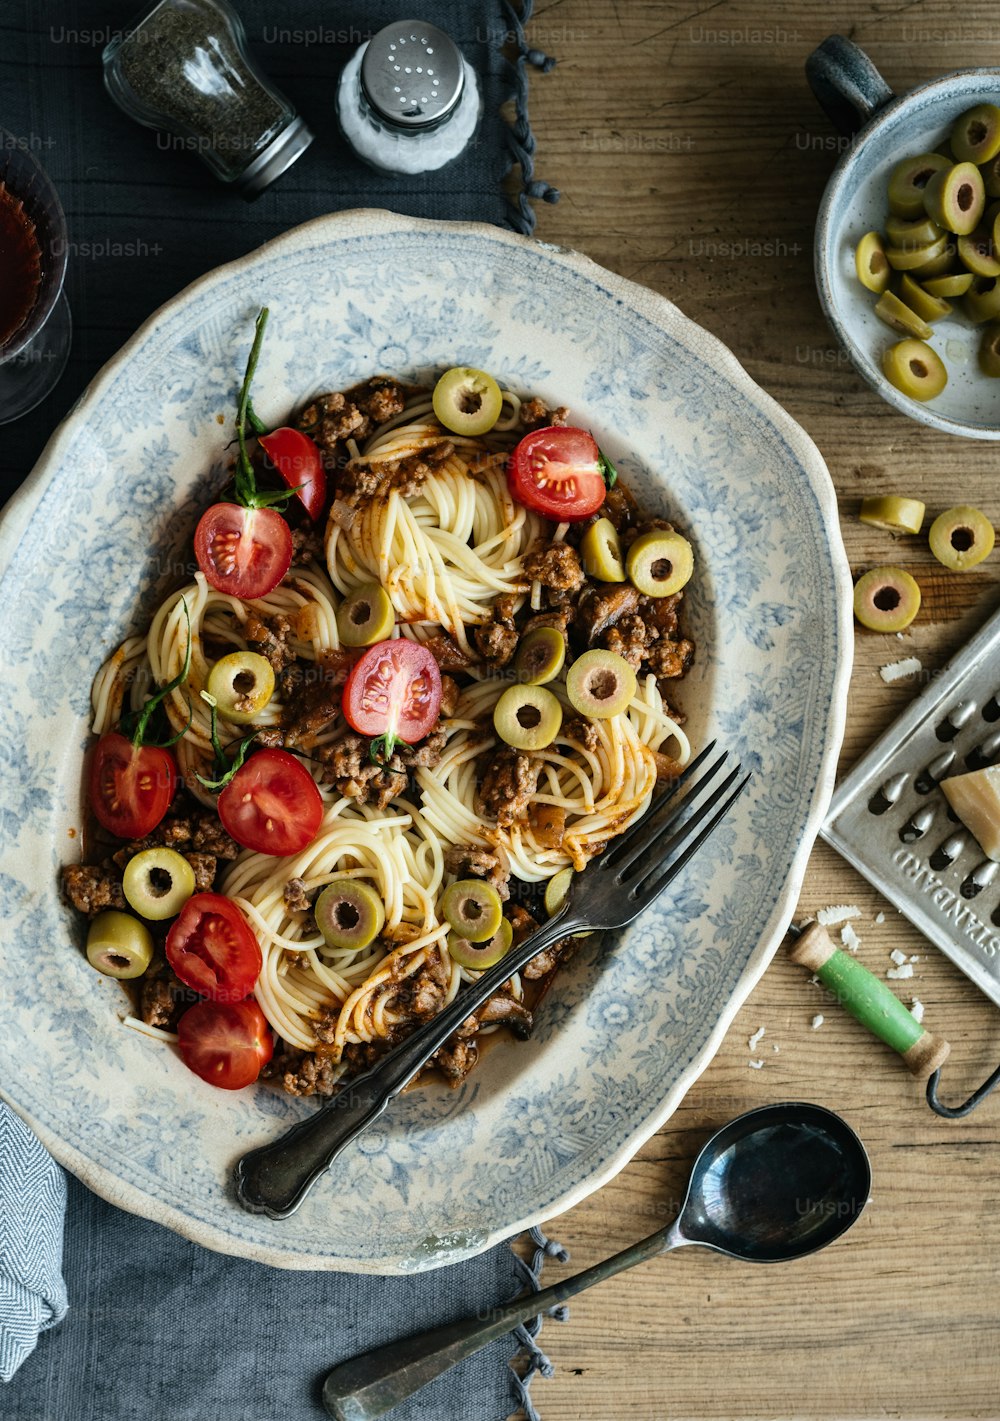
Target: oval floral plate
column 100, row 528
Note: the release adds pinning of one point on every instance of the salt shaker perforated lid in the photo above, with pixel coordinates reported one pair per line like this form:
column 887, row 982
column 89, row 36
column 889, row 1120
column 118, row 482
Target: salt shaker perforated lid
column 412, row 74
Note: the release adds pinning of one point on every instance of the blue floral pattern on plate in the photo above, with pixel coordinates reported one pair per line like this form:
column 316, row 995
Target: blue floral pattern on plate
column 100, row 529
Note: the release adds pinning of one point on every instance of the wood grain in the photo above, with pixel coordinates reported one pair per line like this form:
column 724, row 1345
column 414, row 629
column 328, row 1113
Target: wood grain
column 691, row 157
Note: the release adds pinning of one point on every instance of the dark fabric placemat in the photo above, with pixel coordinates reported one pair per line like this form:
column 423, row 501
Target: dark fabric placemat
column 159, row 1327
column 145, row 219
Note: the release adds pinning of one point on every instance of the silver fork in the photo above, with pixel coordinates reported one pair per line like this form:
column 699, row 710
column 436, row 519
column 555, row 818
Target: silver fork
column 612, row 891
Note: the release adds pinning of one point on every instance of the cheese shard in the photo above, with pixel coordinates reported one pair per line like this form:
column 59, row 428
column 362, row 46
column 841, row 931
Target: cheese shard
column 975, row 798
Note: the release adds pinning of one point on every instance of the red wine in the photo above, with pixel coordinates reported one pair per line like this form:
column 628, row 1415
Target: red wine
column 20, row 264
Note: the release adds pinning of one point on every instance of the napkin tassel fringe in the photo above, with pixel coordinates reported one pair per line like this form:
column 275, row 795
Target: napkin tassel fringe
column 531, row 1357
column 520, row 137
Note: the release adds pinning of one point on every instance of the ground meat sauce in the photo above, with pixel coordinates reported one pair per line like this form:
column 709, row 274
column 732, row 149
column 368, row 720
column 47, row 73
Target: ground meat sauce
column 645, row 631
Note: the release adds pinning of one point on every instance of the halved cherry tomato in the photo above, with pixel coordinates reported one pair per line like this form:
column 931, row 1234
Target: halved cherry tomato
column 212, row 948
column 557, row 472
column 225, row 1045
column 271, row 804
column 394, row 690
column 299, row 462
column 131, row 786
column 244, row 552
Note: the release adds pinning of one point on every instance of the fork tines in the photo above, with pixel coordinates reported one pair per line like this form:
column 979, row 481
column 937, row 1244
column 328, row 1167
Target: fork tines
column 658, row 846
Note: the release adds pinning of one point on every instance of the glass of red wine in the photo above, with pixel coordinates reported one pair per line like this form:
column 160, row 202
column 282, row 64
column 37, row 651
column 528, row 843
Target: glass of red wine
column 35, row 325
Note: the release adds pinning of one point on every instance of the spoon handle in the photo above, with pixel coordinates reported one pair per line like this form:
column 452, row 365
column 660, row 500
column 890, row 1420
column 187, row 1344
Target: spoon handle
column 372, row 1384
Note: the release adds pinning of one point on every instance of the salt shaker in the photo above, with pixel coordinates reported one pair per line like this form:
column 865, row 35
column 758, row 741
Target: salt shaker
column 184, row 67
column 408, row 101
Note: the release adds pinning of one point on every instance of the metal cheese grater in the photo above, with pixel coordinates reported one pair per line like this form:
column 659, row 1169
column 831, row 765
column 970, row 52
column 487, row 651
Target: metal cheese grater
column 890, row 819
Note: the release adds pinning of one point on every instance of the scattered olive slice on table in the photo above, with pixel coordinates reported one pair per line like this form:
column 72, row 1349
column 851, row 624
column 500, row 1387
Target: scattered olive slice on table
column 349, row 913
column 975, row 137
column 478, row 955
column 660, row 562
column 886, row 599
column 600, row 684
column 467, row 401
column 157, row 883
column 601, row 548
column 871, row 264
column 982, row 300
column 961, row 538
column 989, row 351
column 540, row 656
column 929, row 308
column 894, row 514
column 978, row 254
column 895, row 313
column 241, row 683
column 956, row 284
column 908, row 180
column 119, row 945
column 473, row 908
column 366, row 616
column 915, row 369
column 954, row 198
column 527, row 717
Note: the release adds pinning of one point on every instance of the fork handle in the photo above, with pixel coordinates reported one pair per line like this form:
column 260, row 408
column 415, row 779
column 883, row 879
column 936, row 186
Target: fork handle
column 275, row 1178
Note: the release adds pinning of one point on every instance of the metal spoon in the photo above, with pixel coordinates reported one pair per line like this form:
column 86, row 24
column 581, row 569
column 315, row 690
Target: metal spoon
column 772, row 1185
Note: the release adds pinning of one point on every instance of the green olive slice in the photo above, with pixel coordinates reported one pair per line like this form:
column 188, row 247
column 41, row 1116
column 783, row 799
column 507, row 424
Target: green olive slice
column 910, row 258
column 937, row 266
column 527, row 717
column 366, row 616
column 349, row 914
column 540, row 656
column 886, row 599
column 975, row 138
column 119, row 945
column 991, row 176
column 978, row 253
column 954, row 198
column 871, row 264
column 467, row 401
column 157, row 883
column 912, row 232
column 601, row 550
column 915, row 369
column 961, row 537
column 989, row 351
column 600, row 684
column 660, row 562
column 472, row 908
column 982, row 300
column 908, row 180
column 895, row 313
column 556, row 890
column 922, row 303
column 894, row 514
column 475, row 956
column 242, row 683
column 949, row 286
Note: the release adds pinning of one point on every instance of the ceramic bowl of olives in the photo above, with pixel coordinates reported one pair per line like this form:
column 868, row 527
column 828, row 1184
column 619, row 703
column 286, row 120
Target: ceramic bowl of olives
column 908, row 237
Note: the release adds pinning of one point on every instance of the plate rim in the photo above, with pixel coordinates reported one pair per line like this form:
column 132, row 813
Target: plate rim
column 664, row 314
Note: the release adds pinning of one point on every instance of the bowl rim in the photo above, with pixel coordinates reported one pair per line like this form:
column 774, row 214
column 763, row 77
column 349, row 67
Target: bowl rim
column 665, row 315
column 824, row 258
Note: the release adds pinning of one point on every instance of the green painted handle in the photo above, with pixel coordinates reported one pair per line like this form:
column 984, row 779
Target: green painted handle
column 869, row 1000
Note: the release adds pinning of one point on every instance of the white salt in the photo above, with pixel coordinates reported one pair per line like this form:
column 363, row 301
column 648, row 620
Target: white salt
column 818, row 1021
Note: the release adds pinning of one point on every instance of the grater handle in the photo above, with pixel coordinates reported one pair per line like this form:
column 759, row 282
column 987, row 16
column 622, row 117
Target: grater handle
column 869, row 1001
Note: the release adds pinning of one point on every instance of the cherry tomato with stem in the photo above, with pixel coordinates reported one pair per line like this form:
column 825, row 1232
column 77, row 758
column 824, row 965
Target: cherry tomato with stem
column 560, row 473
column 393, row 693
column 299, row 462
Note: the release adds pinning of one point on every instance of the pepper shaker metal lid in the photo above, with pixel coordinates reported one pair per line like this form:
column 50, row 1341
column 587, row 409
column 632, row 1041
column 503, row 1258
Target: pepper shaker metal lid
column 412, row 74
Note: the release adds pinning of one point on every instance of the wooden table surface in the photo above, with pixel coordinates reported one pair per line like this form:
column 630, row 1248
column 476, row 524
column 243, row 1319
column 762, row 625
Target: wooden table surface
column 691, row 157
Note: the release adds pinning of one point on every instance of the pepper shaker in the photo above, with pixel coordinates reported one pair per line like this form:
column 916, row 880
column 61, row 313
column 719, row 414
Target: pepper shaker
column 408, row 101
column 184, row 67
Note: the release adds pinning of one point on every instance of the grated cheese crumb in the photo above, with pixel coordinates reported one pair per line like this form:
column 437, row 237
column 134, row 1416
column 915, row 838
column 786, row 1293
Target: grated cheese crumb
column 839, row 913
column 898, row 957
column 880, row 917
column 818, row 1021
column 756, row 1065
column 775, row 1047
column 917, row 1009
column 897, row 974
column 755, row 1039
column 849, row 938
column 915, row 957
column 897, row 670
